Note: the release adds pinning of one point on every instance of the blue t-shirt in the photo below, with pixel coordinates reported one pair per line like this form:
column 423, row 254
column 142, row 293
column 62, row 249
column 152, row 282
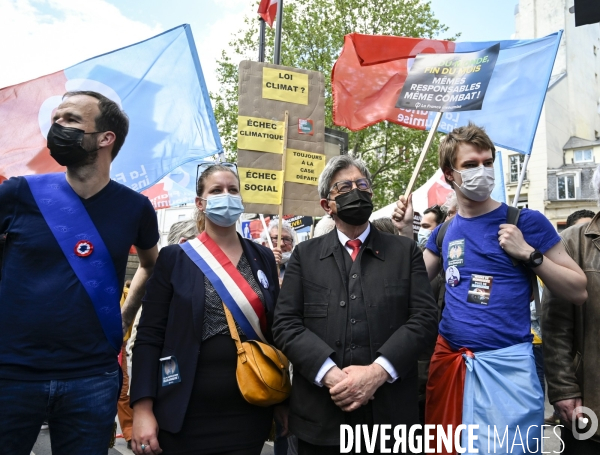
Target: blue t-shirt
column 48, row 325
column 489, row 307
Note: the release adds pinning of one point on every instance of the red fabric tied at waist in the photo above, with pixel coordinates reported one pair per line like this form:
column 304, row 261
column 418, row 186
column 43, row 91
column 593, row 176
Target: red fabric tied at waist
column 445, row 386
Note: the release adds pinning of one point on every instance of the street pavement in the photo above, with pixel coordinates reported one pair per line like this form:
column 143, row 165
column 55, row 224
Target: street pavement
column 42, row 445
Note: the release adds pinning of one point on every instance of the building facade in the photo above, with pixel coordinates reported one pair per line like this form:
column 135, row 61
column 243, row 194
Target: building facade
column 566, row 149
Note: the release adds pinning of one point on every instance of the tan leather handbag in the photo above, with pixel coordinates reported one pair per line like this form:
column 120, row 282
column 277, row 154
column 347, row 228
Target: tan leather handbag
column 262, row 372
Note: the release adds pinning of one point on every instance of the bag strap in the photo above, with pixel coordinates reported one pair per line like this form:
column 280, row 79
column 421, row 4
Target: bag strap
column 235, row 336
column 240, row 347
column 512, row 217
column 439, row 240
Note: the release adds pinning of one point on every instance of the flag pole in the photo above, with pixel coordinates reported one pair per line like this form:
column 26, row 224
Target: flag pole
column 432, row 131
column 283, row 160
column 261, row 41
column 277, row 49
column 262, row 220
column 521, row 178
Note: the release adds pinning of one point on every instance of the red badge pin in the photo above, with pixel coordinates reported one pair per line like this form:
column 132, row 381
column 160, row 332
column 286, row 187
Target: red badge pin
column 84, row 248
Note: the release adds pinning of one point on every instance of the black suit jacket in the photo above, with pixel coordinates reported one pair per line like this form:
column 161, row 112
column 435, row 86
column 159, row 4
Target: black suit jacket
column 310, row 325
column 171, row 324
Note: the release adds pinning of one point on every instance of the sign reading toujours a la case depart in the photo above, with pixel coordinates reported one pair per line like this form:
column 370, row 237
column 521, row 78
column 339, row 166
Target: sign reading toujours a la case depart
column 449, row 82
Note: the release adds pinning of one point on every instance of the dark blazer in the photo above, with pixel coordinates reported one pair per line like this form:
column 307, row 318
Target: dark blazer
column 310, row 325
column 171, row 324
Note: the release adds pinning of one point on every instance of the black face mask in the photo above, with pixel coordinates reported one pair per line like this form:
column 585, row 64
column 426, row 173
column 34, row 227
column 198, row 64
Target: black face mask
column 354, row 207
column 65, row 145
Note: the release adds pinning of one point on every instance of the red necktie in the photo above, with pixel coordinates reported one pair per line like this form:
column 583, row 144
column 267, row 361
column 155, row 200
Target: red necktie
column 355, row 245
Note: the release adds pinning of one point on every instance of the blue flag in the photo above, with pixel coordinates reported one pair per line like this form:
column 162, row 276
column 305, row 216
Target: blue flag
column 515, row 95
column 372, row 69
column 499, row 192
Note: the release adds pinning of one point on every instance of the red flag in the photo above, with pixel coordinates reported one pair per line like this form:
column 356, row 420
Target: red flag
column 26, row 112
column 368, row 78
column 268, row 10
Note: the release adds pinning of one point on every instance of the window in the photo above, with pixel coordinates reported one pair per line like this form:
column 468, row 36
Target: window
column 566, row 186
column 582, row 156
column 516, row 164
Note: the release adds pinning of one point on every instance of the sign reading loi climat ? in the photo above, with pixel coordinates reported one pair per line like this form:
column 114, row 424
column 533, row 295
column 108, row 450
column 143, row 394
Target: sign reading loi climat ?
column 261, row 186
column 266, row 93
column 303, row 167
column 260, row 134
column 287, row 86
column 449, row 82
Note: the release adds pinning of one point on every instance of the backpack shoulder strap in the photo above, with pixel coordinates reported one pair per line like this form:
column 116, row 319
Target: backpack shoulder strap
column 512, row 217
column 439, row 240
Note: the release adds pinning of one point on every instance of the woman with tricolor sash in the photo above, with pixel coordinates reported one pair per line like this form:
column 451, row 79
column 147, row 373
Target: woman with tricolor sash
column 184, row 390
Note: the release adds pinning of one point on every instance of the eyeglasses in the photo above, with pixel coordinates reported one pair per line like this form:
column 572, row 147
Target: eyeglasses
column 345, row 186
column 204, row 165
column 283, row 240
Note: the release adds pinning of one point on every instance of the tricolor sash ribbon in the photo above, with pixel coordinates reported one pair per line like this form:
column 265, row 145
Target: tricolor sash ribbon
column 239, row 297
column 497, row 390
column 71, row 224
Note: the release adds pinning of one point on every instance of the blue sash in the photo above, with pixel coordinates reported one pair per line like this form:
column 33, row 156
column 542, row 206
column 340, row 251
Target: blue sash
column 71, row 225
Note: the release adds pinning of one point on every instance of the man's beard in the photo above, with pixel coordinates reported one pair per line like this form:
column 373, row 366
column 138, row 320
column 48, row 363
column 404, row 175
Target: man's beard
column 89, row 145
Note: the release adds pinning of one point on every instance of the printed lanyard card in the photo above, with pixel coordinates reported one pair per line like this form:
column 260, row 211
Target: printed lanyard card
column 170, row 370
column 480, row 289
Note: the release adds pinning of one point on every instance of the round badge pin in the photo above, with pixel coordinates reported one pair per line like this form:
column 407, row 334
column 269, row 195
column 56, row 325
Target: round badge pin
column 84, row 248
column 452, row 276
column 263, row 279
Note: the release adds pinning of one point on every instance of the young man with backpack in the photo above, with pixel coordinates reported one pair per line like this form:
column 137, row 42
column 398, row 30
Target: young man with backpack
column 483, row 371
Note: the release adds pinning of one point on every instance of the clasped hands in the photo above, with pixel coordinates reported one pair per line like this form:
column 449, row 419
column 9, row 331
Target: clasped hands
column 355, row 385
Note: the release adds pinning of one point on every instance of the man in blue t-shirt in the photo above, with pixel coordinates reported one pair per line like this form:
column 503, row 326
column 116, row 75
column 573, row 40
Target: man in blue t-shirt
column 487, row 296
column 57, row 363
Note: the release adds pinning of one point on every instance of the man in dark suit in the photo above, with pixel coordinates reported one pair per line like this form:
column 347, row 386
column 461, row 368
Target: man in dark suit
column 355, row 311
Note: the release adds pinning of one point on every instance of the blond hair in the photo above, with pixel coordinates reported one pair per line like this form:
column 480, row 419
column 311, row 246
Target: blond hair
column 470, row 134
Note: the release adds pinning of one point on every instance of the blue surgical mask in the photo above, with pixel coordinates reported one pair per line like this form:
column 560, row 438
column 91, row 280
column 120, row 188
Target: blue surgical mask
column 423, row 236
column 224, row 209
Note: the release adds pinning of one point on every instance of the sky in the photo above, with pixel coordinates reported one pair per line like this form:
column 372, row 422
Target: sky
column 43, row 36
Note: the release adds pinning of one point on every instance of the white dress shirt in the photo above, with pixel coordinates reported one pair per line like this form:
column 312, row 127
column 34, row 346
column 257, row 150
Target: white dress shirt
column 381, row 360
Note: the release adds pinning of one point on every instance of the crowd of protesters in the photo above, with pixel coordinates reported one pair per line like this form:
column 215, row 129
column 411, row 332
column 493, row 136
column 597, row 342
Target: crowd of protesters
column 379, row 329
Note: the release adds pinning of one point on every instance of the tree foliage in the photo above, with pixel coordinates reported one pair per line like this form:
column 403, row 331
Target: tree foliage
column 312, row 38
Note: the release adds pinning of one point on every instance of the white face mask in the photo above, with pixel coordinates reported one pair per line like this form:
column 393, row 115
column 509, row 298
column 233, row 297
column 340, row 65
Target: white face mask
column 477, row 183
column 423, row 236
column 285, row 257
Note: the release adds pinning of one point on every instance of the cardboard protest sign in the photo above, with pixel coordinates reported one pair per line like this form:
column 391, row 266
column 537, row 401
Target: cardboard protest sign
column 266, row 91
column 260, row 186
column 285, row 85
column 260, row 134
column 303, row 167
column 449, row 82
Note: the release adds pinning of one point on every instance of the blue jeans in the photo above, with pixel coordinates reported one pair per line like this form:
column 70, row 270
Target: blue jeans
column 80, row 414
column 539, row 366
